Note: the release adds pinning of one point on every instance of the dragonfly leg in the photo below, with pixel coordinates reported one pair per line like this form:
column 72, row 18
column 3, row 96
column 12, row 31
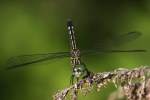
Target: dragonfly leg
column 87, row 74
column 77, row 79
column 71, row 79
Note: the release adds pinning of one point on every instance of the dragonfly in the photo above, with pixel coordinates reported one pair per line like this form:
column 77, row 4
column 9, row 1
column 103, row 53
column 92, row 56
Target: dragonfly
column 79, row 69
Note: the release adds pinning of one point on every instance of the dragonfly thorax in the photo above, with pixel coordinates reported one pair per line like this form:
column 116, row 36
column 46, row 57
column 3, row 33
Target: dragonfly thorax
column 75, row 57
column 75, row 53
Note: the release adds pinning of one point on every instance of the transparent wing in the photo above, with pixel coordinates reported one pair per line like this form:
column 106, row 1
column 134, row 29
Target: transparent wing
column 91, row 52
column 127, row 37
column 112, row 41
column 116, row 40
column 22, row 60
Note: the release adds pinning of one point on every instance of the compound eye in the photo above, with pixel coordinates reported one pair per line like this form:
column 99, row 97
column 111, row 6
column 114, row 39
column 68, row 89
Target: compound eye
column 78, row 70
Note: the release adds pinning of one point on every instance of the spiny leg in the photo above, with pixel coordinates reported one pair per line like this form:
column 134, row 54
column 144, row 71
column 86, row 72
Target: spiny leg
column 72, row 79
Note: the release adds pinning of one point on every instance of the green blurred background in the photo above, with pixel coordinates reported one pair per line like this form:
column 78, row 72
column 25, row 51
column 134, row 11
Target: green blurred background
column 39, row 26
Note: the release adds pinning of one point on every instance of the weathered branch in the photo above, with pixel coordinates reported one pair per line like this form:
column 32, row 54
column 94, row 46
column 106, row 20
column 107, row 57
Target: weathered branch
column 134, row 83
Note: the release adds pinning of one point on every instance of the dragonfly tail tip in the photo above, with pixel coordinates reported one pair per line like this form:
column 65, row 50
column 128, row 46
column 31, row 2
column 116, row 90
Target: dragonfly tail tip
column 69, row 22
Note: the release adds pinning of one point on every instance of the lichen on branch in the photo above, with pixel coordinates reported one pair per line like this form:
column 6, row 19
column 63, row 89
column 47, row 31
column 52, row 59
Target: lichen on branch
column 134, row 83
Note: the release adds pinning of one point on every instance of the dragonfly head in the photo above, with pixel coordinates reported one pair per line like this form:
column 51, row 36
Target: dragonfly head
column 80, row 71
